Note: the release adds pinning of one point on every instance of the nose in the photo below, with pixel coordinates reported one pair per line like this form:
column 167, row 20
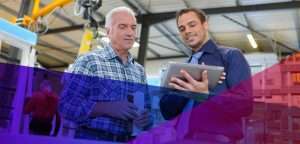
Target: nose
column 187, row 31
column 131, row 32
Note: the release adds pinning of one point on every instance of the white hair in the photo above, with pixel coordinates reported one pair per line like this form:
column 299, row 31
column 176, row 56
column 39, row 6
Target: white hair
column 108, row 17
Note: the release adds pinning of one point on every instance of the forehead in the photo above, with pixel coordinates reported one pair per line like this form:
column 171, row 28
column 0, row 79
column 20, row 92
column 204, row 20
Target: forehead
column 123, row 17
column 187, row 18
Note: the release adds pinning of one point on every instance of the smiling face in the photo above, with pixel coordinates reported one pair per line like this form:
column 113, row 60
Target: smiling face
column 122, row 31
column 192, row 30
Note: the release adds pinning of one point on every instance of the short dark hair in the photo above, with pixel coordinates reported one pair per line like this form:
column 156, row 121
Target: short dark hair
column 200, row 13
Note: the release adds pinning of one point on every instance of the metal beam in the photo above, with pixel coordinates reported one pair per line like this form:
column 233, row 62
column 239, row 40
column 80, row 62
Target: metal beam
column 9, row 58
column 238, row 3
column 175, row 40
column 68, row 28
column 261, row 34
column 168, row 57
column 134, row 7
column 70, row 22
column 13, row 12
column 50, row 46
column 24, row 9
column 58, row 66
column 164, row 32
column 51, row 57
column 64, row 29
column 164, row 46
column 142, row 54
column 297, row 25
column 153, row 51
column 186, row 3
column 64, row 18
column 164, row 16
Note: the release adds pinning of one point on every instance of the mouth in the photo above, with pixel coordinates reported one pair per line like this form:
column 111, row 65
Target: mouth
column 130, row 40
column 190, row 39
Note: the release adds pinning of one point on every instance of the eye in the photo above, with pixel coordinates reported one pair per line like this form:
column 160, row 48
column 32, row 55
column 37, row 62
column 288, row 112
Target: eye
column 133, row 27
column 122, row 26
column 192, row 24
column 181, row 28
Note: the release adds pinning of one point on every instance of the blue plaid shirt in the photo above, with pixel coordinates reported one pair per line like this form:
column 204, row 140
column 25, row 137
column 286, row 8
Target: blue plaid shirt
column 102, row 77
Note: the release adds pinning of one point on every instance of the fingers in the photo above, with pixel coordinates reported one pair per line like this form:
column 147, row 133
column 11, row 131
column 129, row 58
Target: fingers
column 178, row 81
column 187, row 76
column 175, row 86
column 130, row 114
column 127, row 111
column 132, row 106
column 222, row 78
column 205, row 76
column 143, row 120
column 224, row 74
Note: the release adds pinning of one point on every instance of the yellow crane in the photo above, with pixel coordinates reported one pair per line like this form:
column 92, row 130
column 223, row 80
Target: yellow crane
column 37, row 12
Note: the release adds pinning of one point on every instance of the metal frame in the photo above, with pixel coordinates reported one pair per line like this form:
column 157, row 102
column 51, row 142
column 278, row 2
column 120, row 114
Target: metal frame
column 261, row 34
column 153, row 18
column 164, row 16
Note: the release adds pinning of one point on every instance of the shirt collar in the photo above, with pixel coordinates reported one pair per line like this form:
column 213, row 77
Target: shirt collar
column 208, row 47
column 111, row 54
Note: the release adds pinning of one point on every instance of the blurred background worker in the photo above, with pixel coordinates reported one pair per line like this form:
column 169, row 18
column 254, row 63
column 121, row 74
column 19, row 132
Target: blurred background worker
column 42, row 107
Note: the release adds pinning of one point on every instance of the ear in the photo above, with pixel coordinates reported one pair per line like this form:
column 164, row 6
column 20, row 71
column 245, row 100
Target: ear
column 205, row 25
column 107, row 29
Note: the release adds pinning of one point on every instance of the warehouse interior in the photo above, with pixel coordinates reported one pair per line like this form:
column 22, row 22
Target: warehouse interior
column 272, row 25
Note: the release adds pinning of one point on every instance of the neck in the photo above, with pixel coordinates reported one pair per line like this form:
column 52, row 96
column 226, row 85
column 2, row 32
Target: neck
column 122, row 53
column 203, row 43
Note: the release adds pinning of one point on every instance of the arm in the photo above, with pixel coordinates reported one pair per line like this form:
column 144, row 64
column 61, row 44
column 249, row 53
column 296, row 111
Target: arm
column 171, row 105
column 237, row 100
column 30, row 103
column 145, row 119
column 75, row 103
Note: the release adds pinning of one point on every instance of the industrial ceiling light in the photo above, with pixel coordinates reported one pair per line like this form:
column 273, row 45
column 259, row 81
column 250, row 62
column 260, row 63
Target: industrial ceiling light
column 252, row 41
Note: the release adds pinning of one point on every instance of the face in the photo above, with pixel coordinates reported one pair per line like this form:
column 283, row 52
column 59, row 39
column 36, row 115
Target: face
column 122, row 32
column 192, row 30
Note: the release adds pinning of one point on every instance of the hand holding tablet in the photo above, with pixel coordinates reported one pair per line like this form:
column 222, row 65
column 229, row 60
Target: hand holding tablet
column 192, row 77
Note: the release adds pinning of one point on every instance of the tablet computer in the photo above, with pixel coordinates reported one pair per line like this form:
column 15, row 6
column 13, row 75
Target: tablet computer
column 195, row 70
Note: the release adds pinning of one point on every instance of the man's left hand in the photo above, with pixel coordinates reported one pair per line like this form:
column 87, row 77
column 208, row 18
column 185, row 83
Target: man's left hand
column 144, row 120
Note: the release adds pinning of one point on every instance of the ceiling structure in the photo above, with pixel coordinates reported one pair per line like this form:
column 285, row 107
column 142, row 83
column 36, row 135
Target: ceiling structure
column 273, row 23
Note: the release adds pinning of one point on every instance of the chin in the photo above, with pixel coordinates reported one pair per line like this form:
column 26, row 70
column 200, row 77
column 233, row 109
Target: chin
column 128, row 47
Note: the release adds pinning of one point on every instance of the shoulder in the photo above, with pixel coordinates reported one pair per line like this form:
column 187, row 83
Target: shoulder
column 229, row 50
column 230, row 53
column 87, row 61
column 91, row 57
column 139, row 67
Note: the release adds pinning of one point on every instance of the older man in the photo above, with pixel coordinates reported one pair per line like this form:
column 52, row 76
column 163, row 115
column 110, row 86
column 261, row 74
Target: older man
column 99, row 102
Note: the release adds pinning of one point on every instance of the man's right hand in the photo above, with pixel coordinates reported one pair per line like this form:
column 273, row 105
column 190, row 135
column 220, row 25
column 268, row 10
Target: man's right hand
column 119, row 109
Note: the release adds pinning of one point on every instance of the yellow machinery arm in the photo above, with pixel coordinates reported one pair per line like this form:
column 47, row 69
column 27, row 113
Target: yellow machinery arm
column 39, row 12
